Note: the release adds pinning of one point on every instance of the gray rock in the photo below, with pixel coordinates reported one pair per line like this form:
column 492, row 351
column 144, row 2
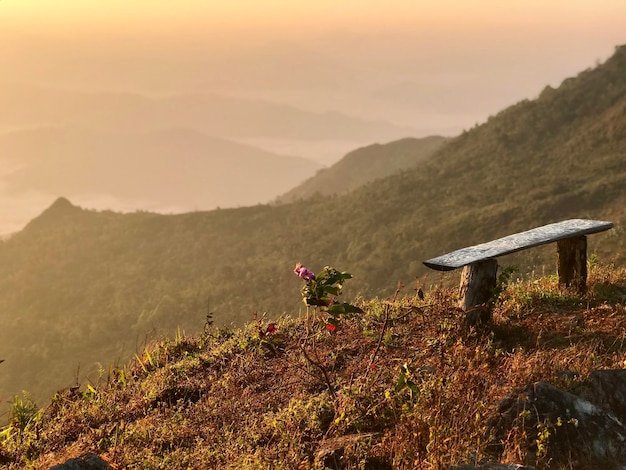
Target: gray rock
column 574, row 428
column 607, row 389
column 85, row 462
column 491, row 466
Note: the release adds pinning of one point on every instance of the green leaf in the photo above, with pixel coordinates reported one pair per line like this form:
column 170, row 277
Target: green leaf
column 352, row 308
column 412, row 387
column 404, row 370
column 336, row 309
column 322, row 274
column 342, row 308
column 334, row 290
column 401, row 383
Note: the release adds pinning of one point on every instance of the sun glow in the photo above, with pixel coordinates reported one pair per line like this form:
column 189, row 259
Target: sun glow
column 284, row 16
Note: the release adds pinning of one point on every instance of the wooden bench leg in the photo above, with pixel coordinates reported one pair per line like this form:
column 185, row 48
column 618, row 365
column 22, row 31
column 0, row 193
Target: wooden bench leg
column 572, row 263
column 478, row 281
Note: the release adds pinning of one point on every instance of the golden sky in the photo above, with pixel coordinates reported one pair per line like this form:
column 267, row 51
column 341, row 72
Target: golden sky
column 299, row 16
column 133, row 44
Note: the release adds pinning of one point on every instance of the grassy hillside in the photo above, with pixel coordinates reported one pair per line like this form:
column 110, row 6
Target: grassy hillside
column 402, row 385
column 103, row 279
column 364, row 165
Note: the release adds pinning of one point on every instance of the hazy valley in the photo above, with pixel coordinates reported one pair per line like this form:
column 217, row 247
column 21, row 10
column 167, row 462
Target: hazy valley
column 172, row 170
column 174, row 153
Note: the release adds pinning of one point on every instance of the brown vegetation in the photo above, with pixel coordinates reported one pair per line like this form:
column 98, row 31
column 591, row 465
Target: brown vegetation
column 405, row 373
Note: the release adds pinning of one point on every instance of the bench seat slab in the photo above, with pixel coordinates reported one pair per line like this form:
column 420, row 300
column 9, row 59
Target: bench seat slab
column 520, row 241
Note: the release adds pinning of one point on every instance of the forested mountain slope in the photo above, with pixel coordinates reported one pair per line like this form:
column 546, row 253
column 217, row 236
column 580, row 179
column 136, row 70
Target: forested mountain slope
column 75, row 285
column 364, row 165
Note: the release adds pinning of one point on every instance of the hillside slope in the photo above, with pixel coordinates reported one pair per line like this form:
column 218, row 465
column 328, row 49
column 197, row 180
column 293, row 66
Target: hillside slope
column 400, row 386
column 557, row 157
column 364, row 165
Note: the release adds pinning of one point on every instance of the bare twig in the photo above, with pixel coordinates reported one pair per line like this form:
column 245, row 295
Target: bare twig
column 380, row 341
column 382, row 331
column 303, row 369
column 321, row 368
column 413, row 309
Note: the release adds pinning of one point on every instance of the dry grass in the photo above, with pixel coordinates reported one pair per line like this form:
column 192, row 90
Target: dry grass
column 239, row 399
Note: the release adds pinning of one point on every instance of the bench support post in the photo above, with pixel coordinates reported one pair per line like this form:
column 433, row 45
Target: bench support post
column 572, row 262
column 478, row 281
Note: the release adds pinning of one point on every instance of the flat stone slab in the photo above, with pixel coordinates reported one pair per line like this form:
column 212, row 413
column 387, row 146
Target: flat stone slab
column 517, row 242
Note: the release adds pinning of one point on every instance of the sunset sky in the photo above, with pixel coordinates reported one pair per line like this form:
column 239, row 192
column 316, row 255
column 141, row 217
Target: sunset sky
column 435, row 65
column 55, row 41
column 299, row 16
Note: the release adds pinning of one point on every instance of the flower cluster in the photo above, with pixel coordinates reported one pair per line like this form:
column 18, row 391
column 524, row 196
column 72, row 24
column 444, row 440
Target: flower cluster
column 303, row 273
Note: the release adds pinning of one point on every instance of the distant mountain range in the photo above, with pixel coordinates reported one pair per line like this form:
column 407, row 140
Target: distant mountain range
column 79, row 285
column 365, row 165
column 179, row 169
column 226, row 117
column 97, row 130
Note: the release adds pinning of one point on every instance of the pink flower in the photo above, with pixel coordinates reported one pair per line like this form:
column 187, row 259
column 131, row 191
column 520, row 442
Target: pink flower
column 303, row 273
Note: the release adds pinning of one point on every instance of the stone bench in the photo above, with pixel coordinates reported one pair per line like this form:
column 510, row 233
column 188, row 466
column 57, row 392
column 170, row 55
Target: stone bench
column 480, row 266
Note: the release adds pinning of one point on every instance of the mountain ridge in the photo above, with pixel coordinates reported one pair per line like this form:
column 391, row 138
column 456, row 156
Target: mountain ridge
column 364, row 165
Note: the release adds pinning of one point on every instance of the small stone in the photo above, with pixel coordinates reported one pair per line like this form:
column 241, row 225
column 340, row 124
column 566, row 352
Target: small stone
column 85, row 462
column 491, row 466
